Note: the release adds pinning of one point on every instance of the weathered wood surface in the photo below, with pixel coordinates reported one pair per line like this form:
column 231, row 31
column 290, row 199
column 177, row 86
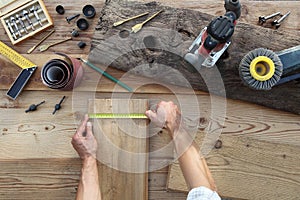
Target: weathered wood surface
column 35, row 142
column 157, row 52
column 92, row 81
column 251, row 10
column 241, row 169
column 122, row 149
column 39, row 173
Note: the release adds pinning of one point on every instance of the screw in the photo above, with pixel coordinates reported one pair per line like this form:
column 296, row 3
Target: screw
column 25, row 13
column 33, row 107
column 21, row 22
column 276, row 23
column 11, row 29
column 58, row 106
column 15, row 24
column 263, row 19
column 69, row 19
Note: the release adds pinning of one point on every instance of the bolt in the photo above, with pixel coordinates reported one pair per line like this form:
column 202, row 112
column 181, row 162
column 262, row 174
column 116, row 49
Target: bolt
column 69, row 19
column 11, row 29
column 25, row 13
column 13, row 20
column 21, row 22
column 263, row 19
column 276, row 23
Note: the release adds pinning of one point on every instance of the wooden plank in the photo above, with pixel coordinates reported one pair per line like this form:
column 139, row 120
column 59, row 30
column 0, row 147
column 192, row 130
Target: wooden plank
column 58, row 178
column 251, row 10
column 39, row 178
column 180, row 27
column 250, row 13
column 249, row 169
column 122, row 149
column 91, row 81
column 36, row 183
column 40, row 129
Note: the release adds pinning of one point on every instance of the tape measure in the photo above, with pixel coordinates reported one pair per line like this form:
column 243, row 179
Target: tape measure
column 27, row 69
column 117, row 116
column 15, row 57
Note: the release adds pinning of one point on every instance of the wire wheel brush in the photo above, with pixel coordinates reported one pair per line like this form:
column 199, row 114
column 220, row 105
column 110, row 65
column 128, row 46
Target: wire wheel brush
column 260, row 69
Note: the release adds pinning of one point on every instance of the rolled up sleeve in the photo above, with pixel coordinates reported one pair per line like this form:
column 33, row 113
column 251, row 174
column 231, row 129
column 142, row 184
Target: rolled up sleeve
column 203, row 193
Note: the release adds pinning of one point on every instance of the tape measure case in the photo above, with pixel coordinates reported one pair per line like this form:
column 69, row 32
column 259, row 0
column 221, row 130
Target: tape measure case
column 24, row 18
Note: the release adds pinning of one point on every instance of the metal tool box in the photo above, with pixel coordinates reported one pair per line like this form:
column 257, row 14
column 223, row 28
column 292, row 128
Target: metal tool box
column 24, row 18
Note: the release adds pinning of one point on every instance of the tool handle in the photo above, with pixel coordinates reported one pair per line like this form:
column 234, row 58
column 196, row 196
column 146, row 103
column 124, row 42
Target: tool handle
column 107, row 75
column 53, row 44
column 131, row 18
column 151, row 17
column 40, row 42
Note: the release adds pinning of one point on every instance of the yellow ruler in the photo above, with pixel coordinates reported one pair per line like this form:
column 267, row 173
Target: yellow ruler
column 15, row 57
column 117, row 116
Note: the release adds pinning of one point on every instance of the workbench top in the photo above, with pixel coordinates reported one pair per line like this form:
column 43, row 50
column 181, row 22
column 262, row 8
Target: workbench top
column 36, row 156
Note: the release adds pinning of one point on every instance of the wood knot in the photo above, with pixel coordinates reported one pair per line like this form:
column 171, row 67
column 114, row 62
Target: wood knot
column 124, row 33
column 218, row 144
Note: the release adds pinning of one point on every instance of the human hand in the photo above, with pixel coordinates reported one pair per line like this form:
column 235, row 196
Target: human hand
column 84, row 141
column 166, row 115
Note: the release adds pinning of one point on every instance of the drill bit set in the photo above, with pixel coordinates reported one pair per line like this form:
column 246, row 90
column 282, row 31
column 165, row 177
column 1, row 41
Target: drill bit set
column 23, row 22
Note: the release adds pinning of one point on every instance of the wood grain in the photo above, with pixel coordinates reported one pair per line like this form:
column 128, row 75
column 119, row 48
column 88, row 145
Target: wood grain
column 243, row 163
column 123, row 149
column 91, row 81
column 30, row 178
column 251, row 10
column 157, row 52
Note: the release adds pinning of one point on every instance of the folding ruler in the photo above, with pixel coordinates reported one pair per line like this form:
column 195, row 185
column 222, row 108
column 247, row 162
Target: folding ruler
column 27, row 69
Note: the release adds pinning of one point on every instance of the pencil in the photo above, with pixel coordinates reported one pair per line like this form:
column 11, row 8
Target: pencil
column 107, row 75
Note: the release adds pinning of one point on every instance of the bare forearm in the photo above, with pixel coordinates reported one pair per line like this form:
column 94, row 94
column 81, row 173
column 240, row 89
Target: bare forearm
column 192, row 164
column 89, row 183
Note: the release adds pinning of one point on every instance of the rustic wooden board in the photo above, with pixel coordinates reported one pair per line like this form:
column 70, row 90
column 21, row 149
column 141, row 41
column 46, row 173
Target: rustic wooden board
column 242, row 119
column 173, row 31
column 58, row 178
column 39, row 178
column 241, row 169
column 92, row 81
column 123, row 149
column 251, row 10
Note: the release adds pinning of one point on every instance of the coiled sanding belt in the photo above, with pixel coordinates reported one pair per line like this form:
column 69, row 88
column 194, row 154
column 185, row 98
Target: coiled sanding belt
column 62, row 74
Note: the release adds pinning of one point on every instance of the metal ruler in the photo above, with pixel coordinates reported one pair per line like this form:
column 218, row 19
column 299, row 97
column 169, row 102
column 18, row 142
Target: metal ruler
column 117, row 116
column 27, row 69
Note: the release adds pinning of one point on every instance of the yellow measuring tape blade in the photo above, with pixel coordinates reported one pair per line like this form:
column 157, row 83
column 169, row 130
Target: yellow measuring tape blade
column 117, row 116
column 15, row 57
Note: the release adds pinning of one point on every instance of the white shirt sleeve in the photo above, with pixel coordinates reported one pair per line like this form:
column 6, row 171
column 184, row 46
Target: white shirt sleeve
column 203, row 193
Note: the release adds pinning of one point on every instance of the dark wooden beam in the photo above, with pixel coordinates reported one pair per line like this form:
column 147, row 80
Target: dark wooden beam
column 157, row 51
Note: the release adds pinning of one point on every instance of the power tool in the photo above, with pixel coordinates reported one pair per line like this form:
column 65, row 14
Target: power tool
column 214, row 39
column 261, row 68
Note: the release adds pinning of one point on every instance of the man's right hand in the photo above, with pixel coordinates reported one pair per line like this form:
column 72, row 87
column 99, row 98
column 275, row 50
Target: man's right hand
column 166, row 115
